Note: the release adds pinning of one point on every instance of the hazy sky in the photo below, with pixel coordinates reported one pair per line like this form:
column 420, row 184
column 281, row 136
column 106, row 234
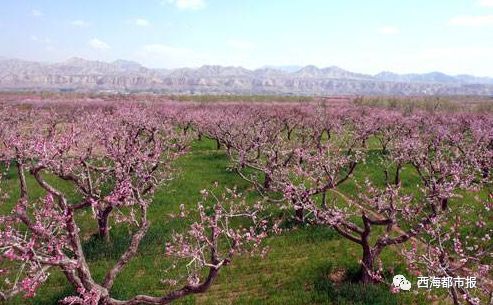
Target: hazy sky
column 452, row 36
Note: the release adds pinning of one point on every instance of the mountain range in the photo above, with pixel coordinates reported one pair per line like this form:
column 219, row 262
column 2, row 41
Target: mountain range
column 81, row 75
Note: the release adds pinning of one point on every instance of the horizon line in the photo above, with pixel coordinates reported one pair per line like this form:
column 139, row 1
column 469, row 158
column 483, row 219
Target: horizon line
column 265, row 66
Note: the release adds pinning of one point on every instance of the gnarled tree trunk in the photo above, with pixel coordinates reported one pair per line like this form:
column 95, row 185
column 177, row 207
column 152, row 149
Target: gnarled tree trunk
column 103, row 216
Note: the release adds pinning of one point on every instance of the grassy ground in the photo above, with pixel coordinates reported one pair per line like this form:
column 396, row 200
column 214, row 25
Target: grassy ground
column 310, row 265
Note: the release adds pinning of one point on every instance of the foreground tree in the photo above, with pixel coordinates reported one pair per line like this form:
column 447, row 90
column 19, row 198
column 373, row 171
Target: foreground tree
column 458, row 244
column 452, row 253
column 52, row 240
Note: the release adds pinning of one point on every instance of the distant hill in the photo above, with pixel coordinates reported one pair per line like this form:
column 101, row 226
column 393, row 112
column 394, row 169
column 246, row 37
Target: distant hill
column 78, row 74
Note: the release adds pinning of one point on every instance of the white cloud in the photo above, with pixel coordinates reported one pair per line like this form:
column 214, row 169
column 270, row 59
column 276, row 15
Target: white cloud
column 98, row 44
column 389, row 30
column 187, row 4
column 36, row 13
column 240, row 44
column 80, row 23
column 472, row 21
column 141, row 22
column 486, row 3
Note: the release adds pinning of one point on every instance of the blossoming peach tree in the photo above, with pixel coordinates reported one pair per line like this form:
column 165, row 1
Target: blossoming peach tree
column 113, row 162
column 458, row 244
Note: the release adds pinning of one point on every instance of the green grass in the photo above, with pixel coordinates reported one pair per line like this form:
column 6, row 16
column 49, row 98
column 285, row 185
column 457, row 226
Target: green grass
column 298, row 269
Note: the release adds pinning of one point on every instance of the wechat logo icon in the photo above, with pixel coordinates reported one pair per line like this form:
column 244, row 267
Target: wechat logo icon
column 401, row 282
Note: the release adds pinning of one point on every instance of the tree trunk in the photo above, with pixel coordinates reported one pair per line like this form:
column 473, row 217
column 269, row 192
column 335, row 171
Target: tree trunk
column 455, row 297
column 103, row 216
column 299, row 214
column 370, row 255
column 398, row 175
column 485, row 172
column 367, row 266
column 444, row 203
column 218, row 144
column 267, row 181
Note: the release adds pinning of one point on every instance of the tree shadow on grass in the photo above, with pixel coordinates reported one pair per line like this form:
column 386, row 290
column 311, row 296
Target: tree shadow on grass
column 339, row 284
